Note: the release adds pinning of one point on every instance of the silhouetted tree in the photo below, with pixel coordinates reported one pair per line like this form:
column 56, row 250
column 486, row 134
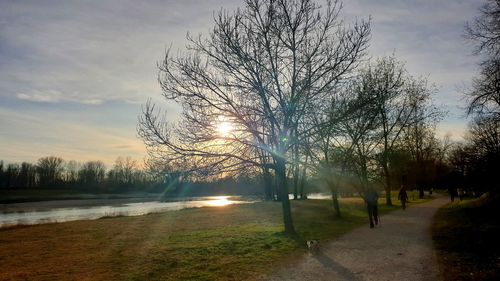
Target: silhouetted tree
column 400, row 101
column 70, row 174
column 359, row 139
column 123, row 171
column 484, row 32
column 27, row 175
column 484, row 137
column 262, row 69
column 479, row 157
column 12, row 172
column 92, row 174
column 418, row 138
column 127, row 174
column 343, row 121
column 2, row 175
column 50, row 170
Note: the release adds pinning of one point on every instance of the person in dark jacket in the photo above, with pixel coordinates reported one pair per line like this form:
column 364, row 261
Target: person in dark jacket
column 371, row 199
column 403, row 196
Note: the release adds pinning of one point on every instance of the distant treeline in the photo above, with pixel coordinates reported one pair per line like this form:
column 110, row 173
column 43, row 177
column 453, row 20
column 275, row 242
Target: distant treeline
column 126, row 175
column 55, row 172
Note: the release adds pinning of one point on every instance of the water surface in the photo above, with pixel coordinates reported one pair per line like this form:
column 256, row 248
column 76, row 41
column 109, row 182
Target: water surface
column 28, row 214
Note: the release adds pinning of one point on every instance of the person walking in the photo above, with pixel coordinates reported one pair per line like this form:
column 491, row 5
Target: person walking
column 403, row 196
column 371, row 199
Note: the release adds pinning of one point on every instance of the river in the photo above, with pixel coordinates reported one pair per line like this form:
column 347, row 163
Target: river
column 72, row 210
column 31, row 213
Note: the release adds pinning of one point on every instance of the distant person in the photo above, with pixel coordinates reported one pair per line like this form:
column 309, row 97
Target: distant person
column 403, row 196
column 371, row 199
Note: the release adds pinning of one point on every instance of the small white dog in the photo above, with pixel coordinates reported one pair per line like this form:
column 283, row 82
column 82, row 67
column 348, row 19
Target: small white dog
column 312, row 245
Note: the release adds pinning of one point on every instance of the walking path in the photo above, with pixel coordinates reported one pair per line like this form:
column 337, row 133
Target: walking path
column 399, row 249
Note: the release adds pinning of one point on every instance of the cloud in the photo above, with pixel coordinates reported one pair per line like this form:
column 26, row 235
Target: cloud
column 92, row 101
column 59, row 61
column 51, row 96
column 102, row 50
column 54, row 96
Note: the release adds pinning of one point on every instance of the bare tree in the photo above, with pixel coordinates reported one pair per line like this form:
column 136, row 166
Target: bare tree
column 360, row 140
column 11, row 175
column 71, row 172
column 484, row 32
column 92, row 173
column 3, row 175
column 261, row 69
column 27, row 175
column 50, row 170
column 484, row 97
column 419, row 140
column 344, row 121
column 123, row 171
column 398, row 98
column 484, row 134
column 477, row 161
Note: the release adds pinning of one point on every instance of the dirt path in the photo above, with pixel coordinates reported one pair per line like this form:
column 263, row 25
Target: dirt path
column 399, row 249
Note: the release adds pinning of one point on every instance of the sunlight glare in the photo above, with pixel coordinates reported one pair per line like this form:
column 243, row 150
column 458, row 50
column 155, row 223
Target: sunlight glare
column 224, row 128
column 219, row 201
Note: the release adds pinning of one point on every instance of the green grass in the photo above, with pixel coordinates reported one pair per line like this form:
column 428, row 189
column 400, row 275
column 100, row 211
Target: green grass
column 224, row 243
column 466, row 237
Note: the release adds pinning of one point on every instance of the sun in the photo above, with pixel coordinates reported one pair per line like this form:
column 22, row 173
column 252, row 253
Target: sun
column 224, row 128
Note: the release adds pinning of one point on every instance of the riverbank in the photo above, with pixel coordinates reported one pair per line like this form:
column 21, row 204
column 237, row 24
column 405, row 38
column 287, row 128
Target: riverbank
column 223, row 243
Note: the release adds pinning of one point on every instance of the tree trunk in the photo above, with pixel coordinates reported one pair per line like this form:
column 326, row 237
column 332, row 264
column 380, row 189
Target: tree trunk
column 296, row 182
column 283, row 191
column 335, row 198
column 268, row 185
column 296, row 172
column 276, row 186
column 420, row 182
column 303, row 183
column 387, row 175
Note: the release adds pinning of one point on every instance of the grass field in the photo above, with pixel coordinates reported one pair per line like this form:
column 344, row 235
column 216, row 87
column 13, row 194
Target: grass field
column 224, row 243
column 466, row 237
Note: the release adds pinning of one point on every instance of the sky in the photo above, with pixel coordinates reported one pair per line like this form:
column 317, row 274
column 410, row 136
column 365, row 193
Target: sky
column 74, row 74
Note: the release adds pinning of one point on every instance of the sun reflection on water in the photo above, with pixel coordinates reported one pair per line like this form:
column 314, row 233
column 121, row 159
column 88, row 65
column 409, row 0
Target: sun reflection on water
column 219, row 201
